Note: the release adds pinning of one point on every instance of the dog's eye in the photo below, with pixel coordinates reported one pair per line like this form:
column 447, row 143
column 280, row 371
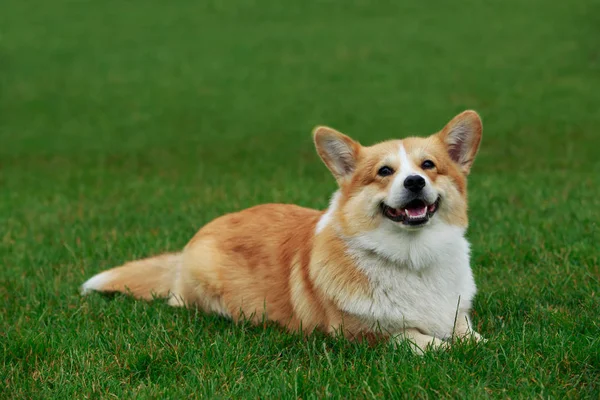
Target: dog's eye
column 385, row 171
column 428, row 164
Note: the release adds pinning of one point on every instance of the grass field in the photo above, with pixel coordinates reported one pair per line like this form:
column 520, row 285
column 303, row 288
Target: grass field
column 127, row 125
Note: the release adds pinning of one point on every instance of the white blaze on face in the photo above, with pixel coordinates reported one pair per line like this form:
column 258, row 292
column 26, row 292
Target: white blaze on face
column 407, row 168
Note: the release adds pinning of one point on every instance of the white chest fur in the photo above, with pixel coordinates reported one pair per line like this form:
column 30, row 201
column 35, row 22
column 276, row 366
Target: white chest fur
column 418, row 279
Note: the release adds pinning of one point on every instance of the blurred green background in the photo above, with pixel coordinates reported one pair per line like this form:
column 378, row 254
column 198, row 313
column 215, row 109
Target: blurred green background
column 127, row 125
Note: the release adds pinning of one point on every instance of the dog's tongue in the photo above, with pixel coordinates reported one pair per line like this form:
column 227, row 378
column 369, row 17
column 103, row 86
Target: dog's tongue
column 416, row 211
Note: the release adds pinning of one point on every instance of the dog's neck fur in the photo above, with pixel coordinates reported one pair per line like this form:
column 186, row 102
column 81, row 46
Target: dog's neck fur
column 417, row 278
column 434, row 245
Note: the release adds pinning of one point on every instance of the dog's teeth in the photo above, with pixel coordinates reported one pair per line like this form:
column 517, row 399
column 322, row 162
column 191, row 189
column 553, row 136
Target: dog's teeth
column 406, row 211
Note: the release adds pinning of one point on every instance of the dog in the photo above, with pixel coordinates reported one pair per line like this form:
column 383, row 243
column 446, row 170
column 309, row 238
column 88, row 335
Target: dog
column 387, row 260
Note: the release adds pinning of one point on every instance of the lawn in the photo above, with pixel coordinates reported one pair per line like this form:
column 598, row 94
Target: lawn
column 127, row 125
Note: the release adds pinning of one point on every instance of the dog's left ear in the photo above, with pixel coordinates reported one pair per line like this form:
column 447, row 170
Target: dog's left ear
column 462, row 136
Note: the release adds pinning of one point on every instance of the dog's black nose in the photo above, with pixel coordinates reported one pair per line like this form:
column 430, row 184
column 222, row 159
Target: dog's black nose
column 414, row 183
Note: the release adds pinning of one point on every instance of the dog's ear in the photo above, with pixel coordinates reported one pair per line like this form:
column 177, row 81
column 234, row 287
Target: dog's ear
column 462, row 136
column 337, row 151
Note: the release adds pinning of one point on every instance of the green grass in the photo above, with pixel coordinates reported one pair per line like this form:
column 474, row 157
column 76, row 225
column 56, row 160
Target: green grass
column 127, row 125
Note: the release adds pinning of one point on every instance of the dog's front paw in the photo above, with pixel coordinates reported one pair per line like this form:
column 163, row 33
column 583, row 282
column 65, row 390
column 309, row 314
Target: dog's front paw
column 477, row 337
column 420, row 343
column 433, row 344
column 471, row 335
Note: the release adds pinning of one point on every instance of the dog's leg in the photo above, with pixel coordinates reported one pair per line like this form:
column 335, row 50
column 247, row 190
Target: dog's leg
column 420, row 342
column 463, row 328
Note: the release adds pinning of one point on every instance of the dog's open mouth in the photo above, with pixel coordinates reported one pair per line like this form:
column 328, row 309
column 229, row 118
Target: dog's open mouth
column 414, row 213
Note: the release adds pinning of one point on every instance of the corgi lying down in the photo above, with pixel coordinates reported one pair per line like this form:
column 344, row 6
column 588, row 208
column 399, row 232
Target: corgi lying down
column 387, row 259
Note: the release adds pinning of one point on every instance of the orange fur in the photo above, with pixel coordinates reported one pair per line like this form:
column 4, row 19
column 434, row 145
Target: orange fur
column 146, row 278
column 267, row 262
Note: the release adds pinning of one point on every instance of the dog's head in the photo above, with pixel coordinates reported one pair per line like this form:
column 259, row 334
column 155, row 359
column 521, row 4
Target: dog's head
column 409, row 183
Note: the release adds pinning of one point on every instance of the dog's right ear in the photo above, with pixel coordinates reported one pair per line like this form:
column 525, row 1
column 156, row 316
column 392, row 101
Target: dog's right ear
column 337, row 151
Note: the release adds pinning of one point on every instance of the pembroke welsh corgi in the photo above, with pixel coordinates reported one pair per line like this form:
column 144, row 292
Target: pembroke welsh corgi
column 387, row 260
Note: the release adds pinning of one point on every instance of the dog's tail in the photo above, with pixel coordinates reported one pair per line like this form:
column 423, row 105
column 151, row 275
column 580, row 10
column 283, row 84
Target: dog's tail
column 145, row 279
